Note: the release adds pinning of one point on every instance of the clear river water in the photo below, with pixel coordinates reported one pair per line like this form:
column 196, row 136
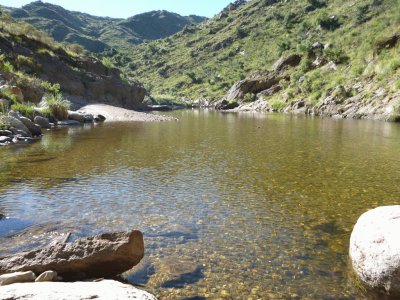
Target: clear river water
column 232, row 206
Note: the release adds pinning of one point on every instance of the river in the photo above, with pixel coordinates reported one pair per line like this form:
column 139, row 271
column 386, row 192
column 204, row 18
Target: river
column 238, row 206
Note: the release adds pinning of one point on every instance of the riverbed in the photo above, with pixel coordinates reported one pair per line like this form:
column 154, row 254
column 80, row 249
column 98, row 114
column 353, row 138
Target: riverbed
column 232, row 205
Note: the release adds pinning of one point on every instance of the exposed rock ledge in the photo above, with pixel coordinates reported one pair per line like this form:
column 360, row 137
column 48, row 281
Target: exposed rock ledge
column 105, row 255
column 105, row 289
column 117, row 114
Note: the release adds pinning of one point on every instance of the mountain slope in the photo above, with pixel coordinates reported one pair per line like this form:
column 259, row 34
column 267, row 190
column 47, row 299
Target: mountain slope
column 31, row 62
column 337, row 40
column 99, row 33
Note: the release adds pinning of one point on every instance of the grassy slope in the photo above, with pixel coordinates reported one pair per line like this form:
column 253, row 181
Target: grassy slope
column 98, row 33
column 203, row 61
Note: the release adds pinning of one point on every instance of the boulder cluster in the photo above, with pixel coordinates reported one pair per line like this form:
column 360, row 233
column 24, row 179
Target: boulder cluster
column 22, row 129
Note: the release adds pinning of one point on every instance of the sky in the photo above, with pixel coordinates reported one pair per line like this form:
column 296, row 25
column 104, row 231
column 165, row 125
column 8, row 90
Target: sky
column 128, row 8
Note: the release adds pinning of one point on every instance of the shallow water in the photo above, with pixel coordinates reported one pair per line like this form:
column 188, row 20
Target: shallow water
column 233, row 206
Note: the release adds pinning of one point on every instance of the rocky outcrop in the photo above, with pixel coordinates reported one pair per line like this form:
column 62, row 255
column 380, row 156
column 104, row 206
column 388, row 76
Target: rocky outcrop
column 266, row 82
column 13, row 90
column 375, row 250
column 291, row 60
column 78, row 76
column 253, row 85
column 104, row 255
column 102, row 290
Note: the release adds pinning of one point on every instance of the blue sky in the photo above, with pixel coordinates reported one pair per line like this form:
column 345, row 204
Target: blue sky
column 127, row 8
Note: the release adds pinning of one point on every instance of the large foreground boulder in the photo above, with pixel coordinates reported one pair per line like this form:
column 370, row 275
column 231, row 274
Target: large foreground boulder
column 104, row 290
column 104, row 255
column 375, row 250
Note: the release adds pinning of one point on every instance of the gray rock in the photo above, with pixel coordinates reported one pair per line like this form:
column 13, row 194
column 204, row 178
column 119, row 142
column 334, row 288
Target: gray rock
column 104, row 255
column 88, row 118
column 17, row 277
column 17, row 125
column 14, row 114
column 68, row 123
column 42, row 122
column 375, row 250
column 5, row 139
column 254, row 84
column 5, row 133
column 34, row 129
column 76, row 116
column 291, row 60
column 99, row 118
column 47, row 276
column 102, row 290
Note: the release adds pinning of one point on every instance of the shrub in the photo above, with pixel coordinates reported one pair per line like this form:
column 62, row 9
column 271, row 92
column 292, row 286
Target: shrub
column 51, row 88
column 277, row 104
column 76, row 48
column 336, row 55
column 3, row 122
column 327, row 22
column 107, row 62
column 27, row 110
column 57, row 105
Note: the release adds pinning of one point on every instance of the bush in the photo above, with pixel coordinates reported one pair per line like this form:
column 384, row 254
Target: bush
column 107, row 62
column 57, row 105
column 27, row 110
column 336, row 55
column 3, row 122
column 327, row 22
column 51, row 88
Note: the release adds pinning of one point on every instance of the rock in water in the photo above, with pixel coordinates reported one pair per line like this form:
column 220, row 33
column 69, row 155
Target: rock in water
column 103, row 290
column 375, row 250
column 42, row 122
column 18, row 277
column 104, row 255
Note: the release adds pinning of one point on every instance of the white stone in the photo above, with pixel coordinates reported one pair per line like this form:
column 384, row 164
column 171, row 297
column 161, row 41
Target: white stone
column 102, row 290
column 17, row 277
column 47, row 276
column 375, row 249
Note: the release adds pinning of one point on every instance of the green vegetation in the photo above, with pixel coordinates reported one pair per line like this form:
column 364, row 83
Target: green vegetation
column 82, row 31
column 3, row 122
column 27, row 110
column 57, row 106
column 204, row 61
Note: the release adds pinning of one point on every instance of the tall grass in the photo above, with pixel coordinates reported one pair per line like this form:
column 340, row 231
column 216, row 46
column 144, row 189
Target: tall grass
column 57, row 105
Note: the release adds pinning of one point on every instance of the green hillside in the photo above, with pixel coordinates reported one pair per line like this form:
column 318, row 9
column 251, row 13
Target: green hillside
column 98, row 33
column 339, row 41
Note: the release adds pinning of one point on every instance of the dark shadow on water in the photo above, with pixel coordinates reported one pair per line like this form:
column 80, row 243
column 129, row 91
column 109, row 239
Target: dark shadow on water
column 185, row 279
column 330, row 227
column 142, row 275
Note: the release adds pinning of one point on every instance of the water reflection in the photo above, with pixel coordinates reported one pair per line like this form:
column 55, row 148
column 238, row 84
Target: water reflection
column 250, row 205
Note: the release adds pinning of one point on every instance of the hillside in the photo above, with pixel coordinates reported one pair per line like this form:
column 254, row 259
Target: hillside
column 98, row 33
column 32, row 64
column 349, row 43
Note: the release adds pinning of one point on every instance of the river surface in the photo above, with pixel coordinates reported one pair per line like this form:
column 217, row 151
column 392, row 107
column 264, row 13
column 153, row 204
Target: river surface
column 232, row 206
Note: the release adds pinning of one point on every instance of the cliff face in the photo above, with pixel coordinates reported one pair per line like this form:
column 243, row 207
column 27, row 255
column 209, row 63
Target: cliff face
column 78, row 76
